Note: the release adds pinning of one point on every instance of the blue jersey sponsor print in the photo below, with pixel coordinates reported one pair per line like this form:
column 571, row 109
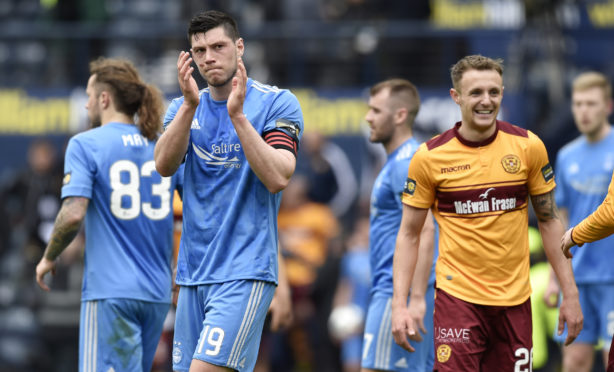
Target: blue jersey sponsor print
column 230, row 218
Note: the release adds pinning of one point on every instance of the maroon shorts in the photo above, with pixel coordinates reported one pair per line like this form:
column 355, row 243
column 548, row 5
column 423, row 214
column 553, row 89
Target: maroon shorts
column 473, row 338
column 611, row 357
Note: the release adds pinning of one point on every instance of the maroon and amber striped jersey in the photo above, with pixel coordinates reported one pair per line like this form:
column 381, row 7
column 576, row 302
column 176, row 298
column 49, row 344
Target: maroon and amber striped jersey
column 479, row 195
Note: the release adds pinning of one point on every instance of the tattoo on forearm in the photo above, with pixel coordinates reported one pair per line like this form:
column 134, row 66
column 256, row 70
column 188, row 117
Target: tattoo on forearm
column 65, row 228
column 545, row 206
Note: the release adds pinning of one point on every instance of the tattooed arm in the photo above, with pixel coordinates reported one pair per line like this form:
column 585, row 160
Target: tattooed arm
column 66, row 227
column 551, row 229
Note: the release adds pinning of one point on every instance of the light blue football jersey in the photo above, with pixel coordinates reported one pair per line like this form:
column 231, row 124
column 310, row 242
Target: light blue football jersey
column 129, row 220
column 583, row 173
column 229, row 216
column 385, row 216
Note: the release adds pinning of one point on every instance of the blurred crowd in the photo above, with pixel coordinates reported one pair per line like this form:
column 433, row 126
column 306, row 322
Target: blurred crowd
column 47, row 43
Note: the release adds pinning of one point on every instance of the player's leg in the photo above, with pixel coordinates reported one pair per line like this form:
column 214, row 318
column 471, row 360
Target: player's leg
column 510, row 339
column 189, row 317
column 460, row 334
column 351, row 350
column 152, row 321
column 230, row 330
column 379, row 351
column 110, row 336
column 201, row 366
column 578, row 357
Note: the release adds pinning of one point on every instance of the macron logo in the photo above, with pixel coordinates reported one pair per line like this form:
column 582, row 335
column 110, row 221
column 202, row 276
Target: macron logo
column 195, row 124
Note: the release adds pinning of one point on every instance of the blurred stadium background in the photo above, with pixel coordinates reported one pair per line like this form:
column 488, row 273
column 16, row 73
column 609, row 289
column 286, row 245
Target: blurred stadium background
column 327, row 51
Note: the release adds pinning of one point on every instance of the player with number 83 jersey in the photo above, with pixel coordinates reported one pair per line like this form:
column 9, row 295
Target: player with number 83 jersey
column 130, row 208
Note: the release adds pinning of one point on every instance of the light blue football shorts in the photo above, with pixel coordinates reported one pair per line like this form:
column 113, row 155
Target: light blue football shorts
column 380, row 352
column 597, row 303
column 119, row 334
column 221, row 323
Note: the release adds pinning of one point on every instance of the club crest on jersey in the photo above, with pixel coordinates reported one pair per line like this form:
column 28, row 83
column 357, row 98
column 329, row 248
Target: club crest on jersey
column 66, row 178
column 410, row 186
column 443, row 353
column 511, row 163
column 547, row 172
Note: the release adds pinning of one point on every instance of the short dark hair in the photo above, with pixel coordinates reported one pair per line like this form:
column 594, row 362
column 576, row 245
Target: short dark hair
column 474, row 62
column 405, row 90
column 210, row 19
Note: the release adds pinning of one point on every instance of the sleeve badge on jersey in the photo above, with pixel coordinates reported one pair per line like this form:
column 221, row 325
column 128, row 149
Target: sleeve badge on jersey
column 511, row 163
column 410, row 186
column 547, row 172
column 289, row 126
column 66, row 179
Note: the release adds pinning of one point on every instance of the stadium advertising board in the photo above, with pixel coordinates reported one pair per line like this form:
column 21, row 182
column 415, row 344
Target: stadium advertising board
column 36, row 113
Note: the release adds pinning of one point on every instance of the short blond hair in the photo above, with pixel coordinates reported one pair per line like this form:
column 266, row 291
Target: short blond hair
column 593, row 79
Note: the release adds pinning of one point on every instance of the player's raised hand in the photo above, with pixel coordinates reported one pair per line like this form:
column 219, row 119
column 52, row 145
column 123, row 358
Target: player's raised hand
column 43, row 267
column 403, row 328
column 188, row 85
column 237, row 94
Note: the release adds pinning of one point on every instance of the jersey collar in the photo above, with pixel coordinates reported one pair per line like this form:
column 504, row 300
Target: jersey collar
column 484, row 142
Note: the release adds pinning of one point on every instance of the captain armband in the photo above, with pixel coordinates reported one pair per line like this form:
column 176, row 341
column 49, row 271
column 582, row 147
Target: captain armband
column 280, row 139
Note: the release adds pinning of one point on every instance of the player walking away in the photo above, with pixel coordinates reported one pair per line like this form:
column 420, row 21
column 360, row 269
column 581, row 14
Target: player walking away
column 238, row 139
column 477, row 178
column 111, row 183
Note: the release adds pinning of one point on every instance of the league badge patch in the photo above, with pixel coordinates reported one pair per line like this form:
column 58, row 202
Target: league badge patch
column 410, row 186
column 66, row 178
column 547, row 172
column 291, row 127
